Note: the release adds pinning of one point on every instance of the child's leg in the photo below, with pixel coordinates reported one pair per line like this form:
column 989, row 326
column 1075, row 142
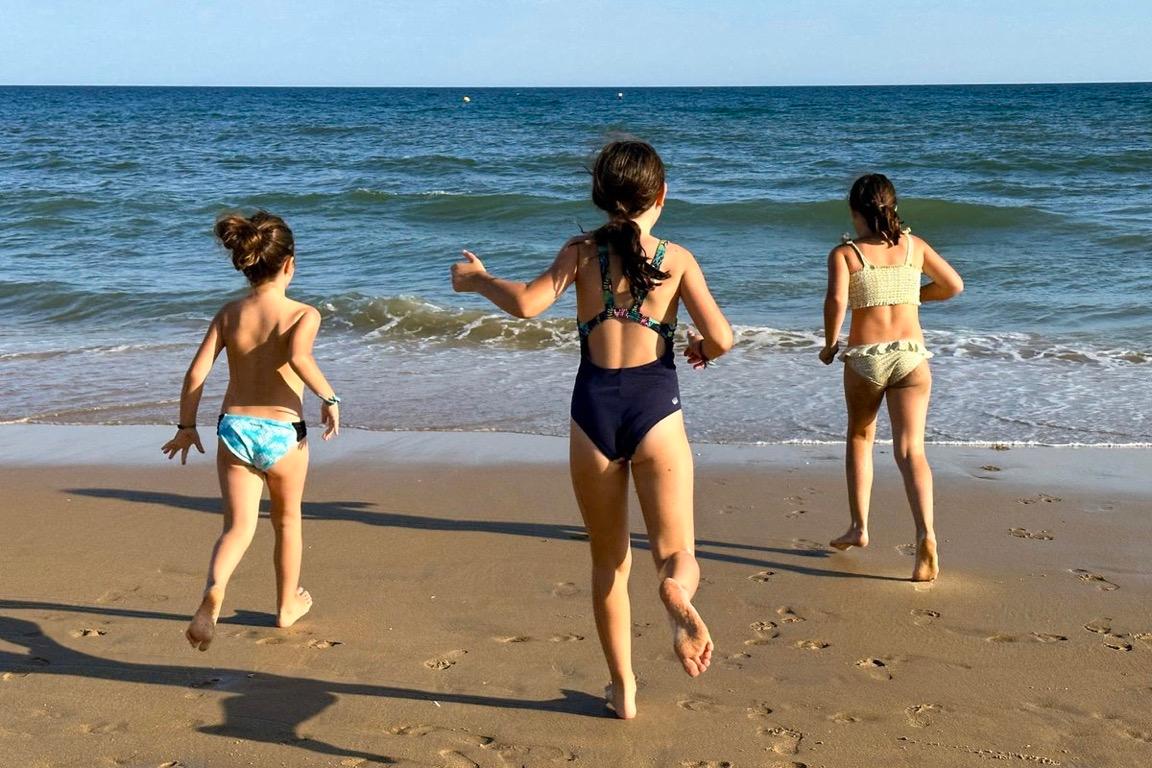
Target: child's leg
column 240, row 489
column 662, row 469
column 601, row 488
column 908, row 409
column 863, row 399
column 286, row 487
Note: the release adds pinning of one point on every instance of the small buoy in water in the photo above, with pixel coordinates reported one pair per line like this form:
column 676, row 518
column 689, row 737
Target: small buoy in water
column 620, row 95
column 467, row 99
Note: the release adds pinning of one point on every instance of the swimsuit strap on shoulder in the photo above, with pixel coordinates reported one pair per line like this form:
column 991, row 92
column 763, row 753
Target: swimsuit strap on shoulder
column 908, row 257
column 863, row 261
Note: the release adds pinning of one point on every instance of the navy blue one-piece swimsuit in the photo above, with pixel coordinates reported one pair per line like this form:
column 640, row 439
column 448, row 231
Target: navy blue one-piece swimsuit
column 617, row 406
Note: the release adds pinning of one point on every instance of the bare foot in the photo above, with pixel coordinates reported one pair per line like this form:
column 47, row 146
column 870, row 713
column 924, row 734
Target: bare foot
column 203, row 626
column 927, row 566
column 690, row 638
column 855, row 537
column 298, row 605
column 621, row 699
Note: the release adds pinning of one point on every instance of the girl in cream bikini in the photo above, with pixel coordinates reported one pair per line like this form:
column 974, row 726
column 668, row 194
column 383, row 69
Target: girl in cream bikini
column 877, row 275
column 261, row 428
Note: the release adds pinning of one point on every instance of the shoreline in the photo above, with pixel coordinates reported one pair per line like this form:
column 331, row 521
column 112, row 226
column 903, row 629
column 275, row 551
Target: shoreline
column 58, row 445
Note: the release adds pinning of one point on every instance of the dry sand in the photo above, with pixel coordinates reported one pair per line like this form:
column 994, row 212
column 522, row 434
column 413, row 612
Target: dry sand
column 452, row 625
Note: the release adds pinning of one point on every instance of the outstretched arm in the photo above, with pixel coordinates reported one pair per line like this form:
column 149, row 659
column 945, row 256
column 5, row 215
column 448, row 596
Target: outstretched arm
column 304, row 364
column 946, row 281
column 715, row 337
column 193, row 389
column 516, row 298
column 835, row 304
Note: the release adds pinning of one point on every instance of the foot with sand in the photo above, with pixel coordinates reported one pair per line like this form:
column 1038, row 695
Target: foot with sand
column 854, row 537
column 690, row 638
column 202, row 628
column 927, row 566
column 621, row 698
column 298, row 605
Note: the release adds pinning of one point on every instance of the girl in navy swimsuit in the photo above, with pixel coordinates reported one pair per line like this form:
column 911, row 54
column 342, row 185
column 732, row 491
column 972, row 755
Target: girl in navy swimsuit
column 626, row 416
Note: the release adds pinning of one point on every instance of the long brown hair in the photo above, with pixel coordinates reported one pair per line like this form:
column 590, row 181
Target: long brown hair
column 874, row 198
column 628, row 179
column 260, row 245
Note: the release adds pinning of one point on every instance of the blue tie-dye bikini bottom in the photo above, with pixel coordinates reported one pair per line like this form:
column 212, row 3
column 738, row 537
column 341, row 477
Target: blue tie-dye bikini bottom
column 259, row 442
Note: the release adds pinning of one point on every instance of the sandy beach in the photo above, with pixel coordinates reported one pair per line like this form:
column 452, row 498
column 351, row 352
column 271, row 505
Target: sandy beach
column 452, row 626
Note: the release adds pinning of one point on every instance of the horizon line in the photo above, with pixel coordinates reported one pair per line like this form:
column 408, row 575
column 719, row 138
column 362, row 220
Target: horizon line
column 574, row 87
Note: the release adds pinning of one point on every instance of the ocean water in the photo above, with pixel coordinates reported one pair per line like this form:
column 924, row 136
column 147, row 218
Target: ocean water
column 1041, row 196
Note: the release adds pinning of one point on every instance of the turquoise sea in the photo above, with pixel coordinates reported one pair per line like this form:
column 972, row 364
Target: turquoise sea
column 1041, row 196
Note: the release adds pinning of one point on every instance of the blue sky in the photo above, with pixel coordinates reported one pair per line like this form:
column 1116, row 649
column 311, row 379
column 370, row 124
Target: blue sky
column 571, row 42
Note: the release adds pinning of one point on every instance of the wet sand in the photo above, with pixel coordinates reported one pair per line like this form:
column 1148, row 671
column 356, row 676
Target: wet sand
column 452, row 625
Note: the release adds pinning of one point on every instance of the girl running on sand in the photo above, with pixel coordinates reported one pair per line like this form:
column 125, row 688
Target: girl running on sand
column 878, row 276
column 625, row 409
column 261, row 427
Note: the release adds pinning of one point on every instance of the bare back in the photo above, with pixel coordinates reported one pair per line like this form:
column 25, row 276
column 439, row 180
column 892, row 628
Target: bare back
column 622, row 344
column 257, row 333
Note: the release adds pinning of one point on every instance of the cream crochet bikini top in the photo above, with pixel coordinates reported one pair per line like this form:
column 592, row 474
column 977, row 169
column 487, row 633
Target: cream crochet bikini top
column 874, row 286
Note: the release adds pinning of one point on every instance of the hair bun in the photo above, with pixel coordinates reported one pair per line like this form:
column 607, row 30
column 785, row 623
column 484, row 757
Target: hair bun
column 243, row 237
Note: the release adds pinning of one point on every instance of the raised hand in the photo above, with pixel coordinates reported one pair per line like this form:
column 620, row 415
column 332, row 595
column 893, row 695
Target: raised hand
column 464, row 273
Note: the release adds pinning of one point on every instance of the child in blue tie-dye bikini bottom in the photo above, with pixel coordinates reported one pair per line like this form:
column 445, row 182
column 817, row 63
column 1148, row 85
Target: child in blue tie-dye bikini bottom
column 268, row 338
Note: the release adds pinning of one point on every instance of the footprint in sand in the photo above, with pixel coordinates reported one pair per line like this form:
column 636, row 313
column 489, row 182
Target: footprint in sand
column 1100, row 626
column 807, row 545
column 736, row 660
column 565, row 638
column 906, row 549
column 812, row 645
column 512, row 639
column 1036, row 637
column 843, row 718
column 922, row 715
column 1117, row 642
column 788, row 616
column 784, row 741
column 324, row 644
column 762, row 577
column 101, row 729
column 270, row 641
column 1040, row 498
column 707, row 764
column 172, row 764
column 87, row 633
column 990, row 468
column 877, row 669
column 758, row 711
column 697, row 705
column 1024, row 533
column 1094, row 578
column 796, row 513
column 565, row 589
column 454, row 759
column 765, row 631
column 922, row 617
column 445, row 661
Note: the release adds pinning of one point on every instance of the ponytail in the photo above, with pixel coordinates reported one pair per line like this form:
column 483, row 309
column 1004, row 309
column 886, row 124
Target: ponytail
column 622, row 235
column 874, row 198
column 628, row 179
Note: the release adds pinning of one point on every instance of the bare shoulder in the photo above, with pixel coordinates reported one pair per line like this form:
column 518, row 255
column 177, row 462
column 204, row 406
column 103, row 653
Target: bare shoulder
column 677, row 258
column 298, row 311
column 841, row 252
